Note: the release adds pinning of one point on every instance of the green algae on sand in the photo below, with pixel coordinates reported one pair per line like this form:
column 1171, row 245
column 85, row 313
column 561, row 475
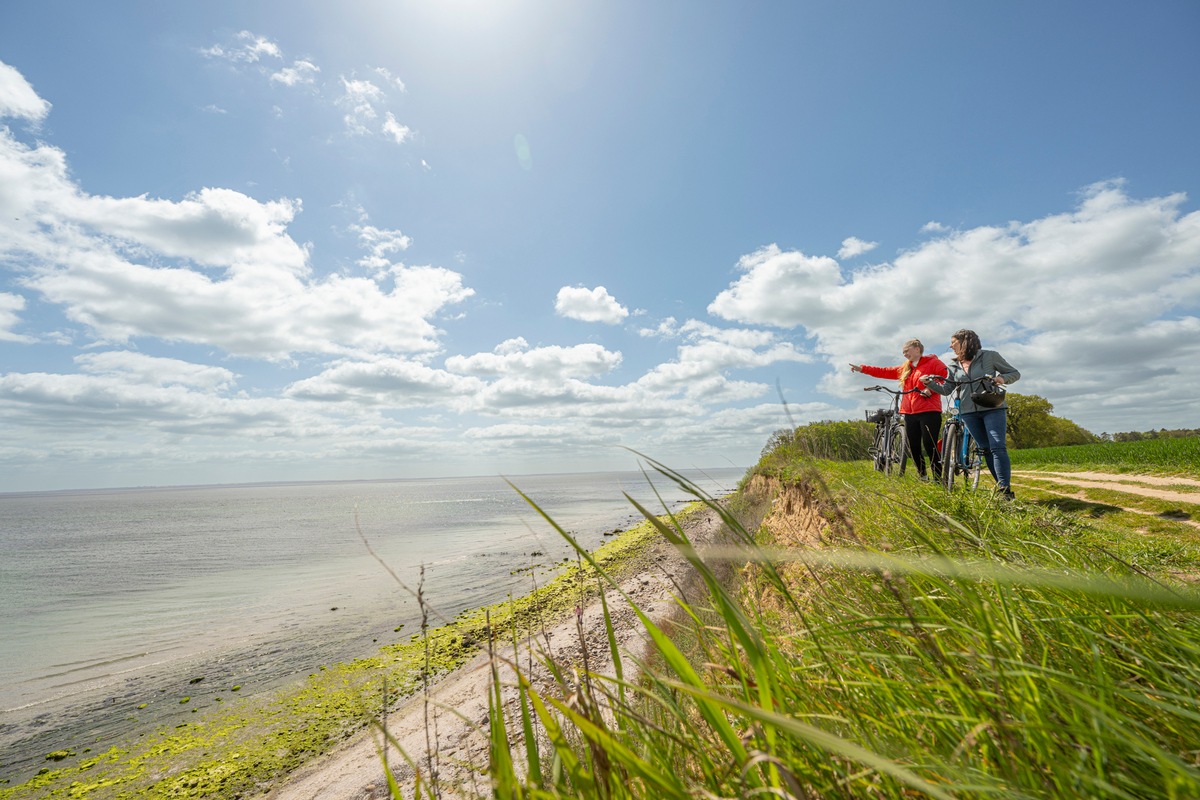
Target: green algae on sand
column 241, row 746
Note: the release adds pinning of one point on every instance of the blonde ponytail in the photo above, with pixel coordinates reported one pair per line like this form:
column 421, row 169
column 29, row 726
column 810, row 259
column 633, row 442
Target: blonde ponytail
column 906, row 367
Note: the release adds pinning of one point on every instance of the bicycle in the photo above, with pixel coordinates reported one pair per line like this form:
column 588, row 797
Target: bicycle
column 889, row 447
column 960, row 452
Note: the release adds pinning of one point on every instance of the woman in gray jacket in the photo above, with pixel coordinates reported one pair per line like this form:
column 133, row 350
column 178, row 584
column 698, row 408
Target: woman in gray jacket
column 988, row 426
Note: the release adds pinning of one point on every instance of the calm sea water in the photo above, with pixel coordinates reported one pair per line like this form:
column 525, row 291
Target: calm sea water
column 116, row 603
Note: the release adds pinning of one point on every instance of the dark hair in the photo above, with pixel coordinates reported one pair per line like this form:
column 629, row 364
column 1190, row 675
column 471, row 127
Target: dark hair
column 970, row 343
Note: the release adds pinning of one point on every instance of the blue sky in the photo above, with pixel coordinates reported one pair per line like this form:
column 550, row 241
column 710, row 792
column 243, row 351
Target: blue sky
column 311, row 241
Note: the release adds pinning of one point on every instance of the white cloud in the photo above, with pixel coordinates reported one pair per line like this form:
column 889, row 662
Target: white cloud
column 154, row 371
column 853, row 246
column 703, row 363
column 221, row 270
column 532, row 438
column 246, row 48
column 18, row 98
column 589, row 305
column 394, row 130
column 784, row 289
column 102, row 260
column 548, row 364
column 515, row 345
column 270, row 319
column 540, row 382
column 300, row 73
column 74, row 405
column 358, row 100
column 380, row 244
column 1099, row 308
column 548, row 382
column 666, row 329
column 363, row 101
column 1073, row 300
column 10, row 304
column 393, row 382
column 395, row 81
column 212, row 227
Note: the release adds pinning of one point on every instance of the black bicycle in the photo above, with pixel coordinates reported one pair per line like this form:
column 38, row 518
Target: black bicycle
column 889, row 448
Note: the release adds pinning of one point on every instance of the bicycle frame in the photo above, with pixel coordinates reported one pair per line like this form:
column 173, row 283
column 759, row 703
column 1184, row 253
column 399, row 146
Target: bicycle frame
column 889, row 447
column 960, row 452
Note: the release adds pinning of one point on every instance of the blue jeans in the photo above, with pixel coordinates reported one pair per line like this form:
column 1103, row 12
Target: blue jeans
column 988, row 428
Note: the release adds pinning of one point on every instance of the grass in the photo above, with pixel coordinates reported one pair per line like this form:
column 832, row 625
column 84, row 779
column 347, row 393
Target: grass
column 1149, row 456
column 935, row 646
column 1119, row 499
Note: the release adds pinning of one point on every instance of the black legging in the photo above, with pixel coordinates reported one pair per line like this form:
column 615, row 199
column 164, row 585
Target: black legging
column 923, row 429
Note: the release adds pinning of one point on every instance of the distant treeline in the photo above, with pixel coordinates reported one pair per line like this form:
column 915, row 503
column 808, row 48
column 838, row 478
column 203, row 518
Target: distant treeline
column 1161, row 433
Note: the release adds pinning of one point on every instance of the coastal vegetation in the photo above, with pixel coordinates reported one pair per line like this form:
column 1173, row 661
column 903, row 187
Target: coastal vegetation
column 902, row 642
column 854, row 635
column 241, row 745
column 1031, row 426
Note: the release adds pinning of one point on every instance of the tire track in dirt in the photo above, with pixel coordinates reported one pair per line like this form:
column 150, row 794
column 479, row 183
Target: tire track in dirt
column 1140, row 485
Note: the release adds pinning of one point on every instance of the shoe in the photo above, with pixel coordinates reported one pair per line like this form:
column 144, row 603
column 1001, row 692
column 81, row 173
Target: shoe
column 1005, row 493
column 923, row 478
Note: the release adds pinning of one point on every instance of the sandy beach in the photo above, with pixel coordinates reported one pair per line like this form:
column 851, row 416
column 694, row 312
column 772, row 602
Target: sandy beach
column 446, row 731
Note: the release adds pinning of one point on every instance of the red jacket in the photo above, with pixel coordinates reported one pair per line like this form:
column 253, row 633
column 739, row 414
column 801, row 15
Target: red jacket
column 914, row 403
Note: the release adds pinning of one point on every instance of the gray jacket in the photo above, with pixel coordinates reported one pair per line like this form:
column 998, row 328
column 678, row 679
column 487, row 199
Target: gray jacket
column 987, row 363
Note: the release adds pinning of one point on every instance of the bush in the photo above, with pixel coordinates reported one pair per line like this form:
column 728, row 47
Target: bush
column 826, row 440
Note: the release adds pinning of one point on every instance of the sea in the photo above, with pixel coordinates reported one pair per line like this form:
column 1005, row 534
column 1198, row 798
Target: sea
column 117, row 603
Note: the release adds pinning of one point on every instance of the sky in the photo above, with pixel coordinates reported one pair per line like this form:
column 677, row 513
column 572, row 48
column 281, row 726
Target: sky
column 273, row 241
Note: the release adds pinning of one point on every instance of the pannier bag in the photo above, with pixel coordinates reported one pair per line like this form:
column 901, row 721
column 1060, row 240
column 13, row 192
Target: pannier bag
column 989, row 394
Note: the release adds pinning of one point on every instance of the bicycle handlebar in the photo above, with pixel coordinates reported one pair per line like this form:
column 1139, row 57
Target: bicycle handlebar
column 890, row 391
column 958, row 385
column 953, row 382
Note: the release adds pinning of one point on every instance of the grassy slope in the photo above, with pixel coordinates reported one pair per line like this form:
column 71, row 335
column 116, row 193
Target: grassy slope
column 934, row 646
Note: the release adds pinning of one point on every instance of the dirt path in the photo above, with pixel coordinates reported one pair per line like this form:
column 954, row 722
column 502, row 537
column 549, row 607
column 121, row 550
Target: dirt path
column 453, row 723
column 1141, row 485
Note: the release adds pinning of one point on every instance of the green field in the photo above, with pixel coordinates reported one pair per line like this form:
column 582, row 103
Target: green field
column 1149, row 456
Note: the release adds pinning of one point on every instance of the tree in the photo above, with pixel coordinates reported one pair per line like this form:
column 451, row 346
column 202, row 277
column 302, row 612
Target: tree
column 1030, row 424
column 1028, row 419
column 1065, row 432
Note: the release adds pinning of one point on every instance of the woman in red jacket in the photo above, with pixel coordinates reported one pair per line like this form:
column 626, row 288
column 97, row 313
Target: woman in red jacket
column 922, row 409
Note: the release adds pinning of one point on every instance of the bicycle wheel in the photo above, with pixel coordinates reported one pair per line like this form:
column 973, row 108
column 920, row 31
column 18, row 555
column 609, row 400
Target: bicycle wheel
column 949, row 456
column 973, row 464
column 876, row 450
column 897, row 451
